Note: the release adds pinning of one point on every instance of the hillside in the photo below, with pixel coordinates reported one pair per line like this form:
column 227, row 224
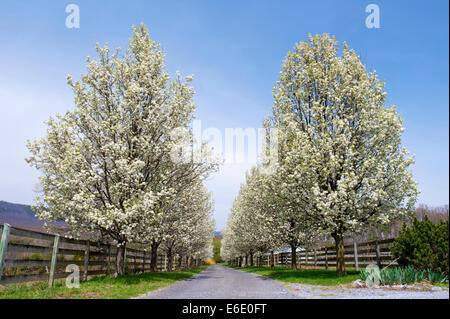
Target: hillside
column 22, row 216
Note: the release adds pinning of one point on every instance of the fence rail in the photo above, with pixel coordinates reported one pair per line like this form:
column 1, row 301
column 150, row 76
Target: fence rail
column 355, row 255
column 27, row 256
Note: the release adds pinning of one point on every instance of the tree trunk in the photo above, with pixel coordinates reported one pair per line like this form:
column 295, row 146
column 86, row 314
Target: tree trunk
column 340, row 254
column 293, row 257
column 169, row 259
column 154, row 257
column 251, row 259
column 272, row 260
column 120, row 254
column 180, row 262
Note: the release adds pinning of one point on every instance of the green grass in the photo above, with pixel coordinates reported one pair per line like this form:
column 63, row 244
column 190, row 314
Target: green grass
column 305, row 276
column 101, row 287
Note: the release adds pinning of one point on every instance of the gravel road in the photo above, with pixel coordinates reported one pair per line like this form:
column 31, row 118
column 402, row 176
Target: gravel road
column 303, row 291
column 218, row 282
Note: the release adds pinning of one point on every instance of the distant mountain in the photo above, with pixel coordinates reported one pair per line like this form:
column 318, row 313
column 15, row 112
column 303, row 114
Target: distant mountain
column 21, row 216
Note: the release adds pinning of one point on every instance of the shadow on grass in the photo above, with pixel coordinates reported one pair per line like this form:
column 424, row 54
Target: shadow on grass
column 143, row 278
column 307, row 276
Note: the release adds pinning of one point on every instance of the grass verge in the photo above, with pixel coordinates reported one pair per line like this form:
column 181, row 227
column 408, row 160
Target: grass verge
column 305, row 276
column 101, row 287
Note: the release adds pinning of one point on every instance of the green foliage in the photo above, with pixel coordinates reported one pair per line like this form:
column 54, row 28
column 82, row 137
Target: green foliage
column 406, row 275
column 437, row 277
column 423, row 246
column 216, row 251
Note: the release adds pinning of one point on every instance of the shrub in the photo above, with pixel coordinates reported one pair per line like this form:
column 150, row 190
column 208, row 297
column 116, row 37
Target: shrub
column 423, row 246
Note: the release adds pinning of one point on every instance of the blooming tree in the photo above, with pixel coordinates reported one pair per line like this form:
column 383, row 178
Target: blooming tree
column 342, row 159
column 253, row 226
column 188, row 226
column 106, row 165
column 295, row 227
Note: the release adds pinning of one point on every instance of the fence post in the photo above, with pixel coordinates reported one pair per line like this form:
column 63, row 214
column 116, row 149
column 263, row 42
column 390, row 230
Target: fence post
column 143, row 262
column 355, row 254
column 86, row 261
column 124, row 259
column 315, row 258
column 108, row 270
column 377, row 251
column 103, row 251
column 326, row 258
column 306, row 258
column 53, row 263
column 4, row 246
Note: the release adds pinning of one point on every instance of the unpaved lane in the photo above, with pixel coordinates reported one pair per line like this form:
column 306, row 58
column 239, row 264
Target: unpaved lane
column 218, row 282
column 304, row 291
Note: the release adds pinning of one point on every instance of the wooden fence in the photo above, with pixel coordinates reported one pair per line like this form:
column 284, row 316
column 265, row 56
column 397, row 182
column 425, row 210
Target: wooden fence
column 34, row 256
column 356, row 255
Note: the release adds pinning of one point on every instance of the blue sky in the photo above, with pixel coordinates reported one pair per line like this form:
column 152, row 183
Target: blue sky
column 234, row 49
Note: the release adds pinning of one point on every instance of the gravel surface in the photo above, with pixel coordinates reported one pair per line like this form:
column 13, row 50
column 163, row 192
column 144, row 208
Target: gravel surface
column 329, row 292
column 218, row 282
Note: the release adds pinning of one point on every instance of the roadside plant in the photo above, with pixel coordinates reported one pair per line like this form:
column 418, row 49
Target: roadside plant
column 405, row 276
